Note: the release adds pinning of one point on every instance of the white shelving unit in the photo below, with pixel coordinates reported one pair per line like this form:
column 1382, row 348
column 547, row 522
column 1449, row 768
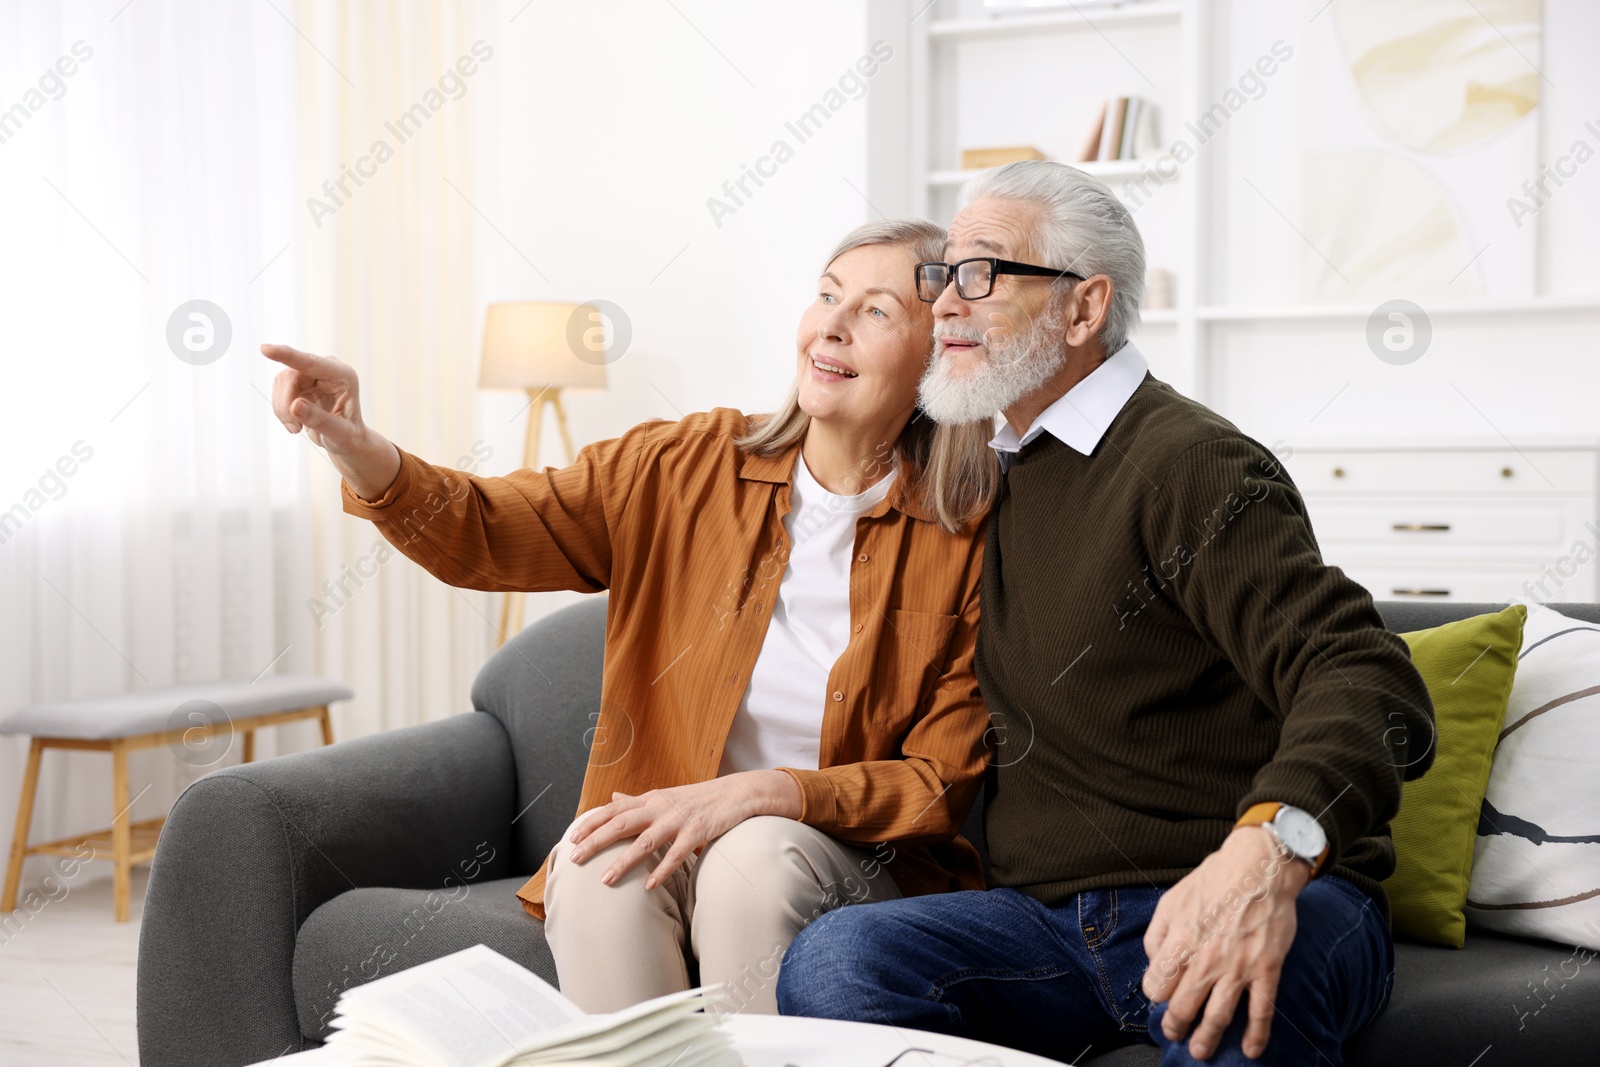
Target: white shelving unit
column 1321, row 312
column 1240, row 339
column 970, row 79
column 1150, row 12
column 1107, row 171
column 955, row 50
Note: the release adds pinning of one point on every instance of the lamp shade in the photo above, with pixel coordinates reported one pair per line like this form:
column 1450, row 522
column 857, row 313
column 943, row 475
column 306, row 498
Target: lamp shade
column 531, row 344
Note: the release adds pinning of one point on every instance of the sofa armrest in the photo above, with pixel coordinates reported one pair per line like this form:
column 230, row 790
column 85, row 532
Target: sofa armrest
column 249, row 852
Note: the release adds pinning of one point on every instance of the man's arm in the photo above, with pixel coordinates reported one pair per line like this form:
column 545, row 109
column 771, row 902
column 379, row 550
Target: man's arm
column 1356, row 721
column 1357, row 718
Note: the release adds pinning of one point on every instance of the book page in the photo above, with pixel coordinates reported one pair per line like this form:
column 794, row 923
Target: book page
column 618, row 1034
column 471, row 1009
column 476, row 1008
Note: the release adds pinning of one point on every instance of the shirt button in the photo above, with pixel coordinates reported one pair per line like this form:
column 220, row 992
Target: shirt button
column 837, row 695
column 860, row 626
column 862, row 558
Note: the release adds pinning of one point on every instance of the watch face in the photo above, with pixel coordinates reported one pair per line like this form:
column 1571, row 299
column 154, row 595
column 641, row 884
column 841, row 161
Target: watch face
column 1300, row 832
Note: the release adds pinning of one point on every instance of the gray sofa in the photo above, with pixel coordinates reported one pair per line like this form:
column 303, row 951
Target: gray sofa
column 278, row 884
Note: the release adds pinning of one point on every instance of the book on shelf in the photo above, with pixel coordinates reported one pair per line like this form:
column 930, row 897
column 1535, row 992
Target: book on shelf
column 1091, row 143
column 1111, row 135
column 475, row 1008
column 1123, row 128
column 984, row 158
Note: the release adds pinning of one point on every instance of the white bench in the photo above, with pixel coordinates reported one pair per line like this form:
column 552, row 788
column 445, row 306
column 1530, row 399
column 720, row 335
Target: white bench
column 189, row 719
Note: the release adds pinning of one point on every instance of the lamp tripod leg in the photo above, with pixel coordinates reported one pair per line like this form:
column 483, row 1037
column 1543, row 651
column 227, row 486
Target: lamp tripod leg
column 511, row 610
column 561, row 421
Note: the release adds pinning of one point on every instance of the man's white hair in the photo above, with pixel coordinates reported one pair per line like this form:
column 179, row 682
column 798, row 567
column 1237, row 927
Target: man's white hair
column 1084, row 229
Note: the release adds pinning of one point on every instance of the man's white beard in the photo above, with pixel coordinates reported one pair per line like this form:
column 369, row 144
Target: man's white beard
column 1009, row 371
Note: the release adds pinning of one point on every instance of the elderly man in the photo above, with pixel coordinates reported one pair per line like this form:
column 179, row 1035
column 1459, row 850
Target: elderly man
column 1203, row 728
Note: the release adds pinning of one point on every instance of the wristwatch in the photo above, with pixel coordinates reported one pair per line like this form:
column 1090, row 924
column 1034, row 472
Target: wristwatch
column 1296, row 830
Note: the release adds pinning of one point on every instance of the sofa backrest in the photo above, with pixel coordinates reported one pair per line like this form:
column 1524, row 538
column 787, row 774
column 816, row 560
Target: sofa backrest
column 544, row 687
column 1403, row 616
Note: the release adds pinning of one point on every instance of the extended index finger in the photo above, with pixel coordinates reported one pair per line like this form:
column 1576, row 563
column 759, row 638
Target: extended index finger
column 306, row 362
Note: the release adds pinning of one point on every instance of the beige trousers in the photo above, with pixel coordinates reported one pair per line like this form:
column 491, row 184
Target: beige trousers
column 732, row 910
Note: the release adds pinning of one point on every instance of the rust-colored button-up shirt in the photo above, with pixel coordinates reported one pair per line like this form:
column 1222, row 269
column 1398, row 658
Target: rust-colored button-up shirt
column 686, row 530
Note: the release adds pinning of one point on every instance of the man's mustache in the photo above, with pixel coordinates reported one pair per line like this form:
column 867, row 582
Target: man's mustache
column 954, row 332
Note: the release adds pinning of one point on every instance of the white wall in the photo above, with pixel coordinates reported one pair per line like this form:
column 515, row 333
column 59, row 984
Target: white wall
column 1520, row 374
column 617, row 121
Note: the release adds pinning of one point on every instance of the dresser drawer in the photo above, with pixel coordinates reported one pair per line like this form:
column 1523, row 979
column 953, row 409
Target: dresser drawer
column 1507, row 472
column 1422, row 524
column 1428, row 580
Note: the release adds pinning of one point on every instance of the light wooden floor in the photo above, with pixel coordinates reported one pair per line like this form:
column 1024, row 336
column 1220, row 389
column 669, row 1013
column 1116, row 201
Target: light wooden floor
column 67, row 980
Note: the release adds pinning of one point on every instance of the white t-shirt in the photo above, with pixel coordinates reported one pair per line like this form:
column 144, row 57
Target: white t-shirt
column 779, row 722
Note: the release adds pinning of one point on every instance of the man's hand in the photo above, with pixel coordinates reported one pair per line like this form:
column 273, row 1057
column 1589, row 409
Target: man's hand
column 1222, row 931
column 686, row 817
column 321, row 396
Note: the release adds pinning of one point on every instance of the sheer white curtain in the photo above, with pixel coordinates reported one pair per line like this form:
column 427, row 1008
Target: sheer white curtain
column 392, row 99
column 157, row 525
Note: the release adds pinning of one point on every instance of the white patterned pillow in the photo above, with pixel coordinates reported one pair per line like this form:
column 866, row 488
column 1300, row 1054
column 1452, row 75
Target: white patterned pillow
column 1536, row 868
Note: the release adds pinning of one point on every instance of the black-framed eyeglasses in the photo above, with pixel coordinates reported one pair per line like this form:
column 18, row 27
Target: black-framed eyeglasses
column 975, row 277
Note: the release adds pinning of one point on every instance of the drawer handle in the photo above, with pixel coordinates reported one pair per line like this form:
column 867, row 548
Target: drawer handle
column 1506, row 472
column 1420, row 592
column 1430, row 527
column 1338, row 472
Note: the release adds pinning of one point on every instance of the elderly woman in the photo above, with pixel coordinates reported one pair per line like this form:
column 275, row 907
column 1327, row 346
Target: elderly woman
column 789, row 638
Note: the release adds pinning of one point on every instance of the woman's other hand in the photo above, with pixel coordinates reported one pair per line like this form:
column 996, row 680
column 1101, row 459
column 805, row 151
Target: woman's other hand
column 322, row 397
column 681, row 819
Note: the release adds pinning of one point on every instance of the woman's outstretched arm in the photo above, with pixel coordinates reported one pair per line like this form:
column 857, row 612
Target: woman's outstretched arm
column 528, row 531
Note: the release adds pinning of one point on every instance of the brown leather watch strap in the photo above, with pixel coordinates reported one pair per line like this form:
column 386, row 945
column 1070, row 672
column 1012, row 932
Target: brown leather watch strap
column 1263, row 813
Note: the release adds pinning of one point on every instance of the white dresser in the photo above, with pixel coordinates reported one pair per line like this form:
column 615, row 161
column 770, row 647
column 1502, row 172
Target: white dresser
column 1457, row 519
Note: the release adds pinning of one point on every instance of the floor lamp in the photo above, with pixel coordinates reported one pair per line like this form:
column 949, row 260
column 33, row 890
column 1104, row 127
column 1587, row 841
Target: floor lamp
column 541, row 348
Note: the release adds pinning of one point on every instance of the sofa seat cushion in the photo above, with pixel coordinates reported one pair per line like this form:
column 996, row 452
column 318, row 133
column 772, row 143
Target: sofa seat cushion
column 364, row 934
column 1449, row 1005
column 1534, row 1001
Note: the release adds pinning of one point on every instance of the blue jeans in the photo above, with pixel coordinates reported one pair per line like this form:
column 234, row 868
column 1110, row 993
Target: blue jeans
column 1000, row 967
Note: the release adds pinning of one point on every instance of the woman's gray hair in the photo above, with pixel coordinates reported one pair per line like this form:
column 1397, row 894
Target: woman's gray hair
column 923, row 239
column 1084, row 229
column 949, row 468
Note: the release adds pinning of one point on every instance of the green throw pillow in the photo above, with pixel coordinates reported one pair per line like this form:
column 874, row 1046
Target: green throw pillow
column 1468, row 667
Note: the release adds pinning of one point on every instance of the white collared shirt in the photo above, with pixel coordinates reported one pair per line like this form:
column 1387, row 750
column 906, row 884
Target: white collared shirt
column 1083, row 413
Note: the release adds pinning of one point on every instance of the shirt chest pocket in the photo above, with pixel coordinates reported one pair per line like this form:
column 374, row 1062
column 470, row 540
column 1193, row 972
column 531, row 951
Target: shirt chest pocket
column 917, row 647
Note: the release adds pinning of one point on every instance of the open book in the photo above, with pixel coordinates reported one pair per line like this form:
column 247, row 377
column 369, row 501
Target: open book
column 475, row 1008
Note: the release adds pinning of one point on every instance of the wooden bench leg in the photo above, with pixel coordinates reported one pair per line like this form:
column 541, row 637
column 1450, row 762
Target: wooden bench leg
column 121, row 834
column 249, row 746
column 327, row 725
column 19, row 840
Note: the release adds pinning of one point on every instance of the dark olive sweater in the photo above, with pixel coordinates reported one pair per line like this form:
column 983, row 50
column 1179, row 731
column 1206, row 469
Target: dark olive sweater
column 1162, row 646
